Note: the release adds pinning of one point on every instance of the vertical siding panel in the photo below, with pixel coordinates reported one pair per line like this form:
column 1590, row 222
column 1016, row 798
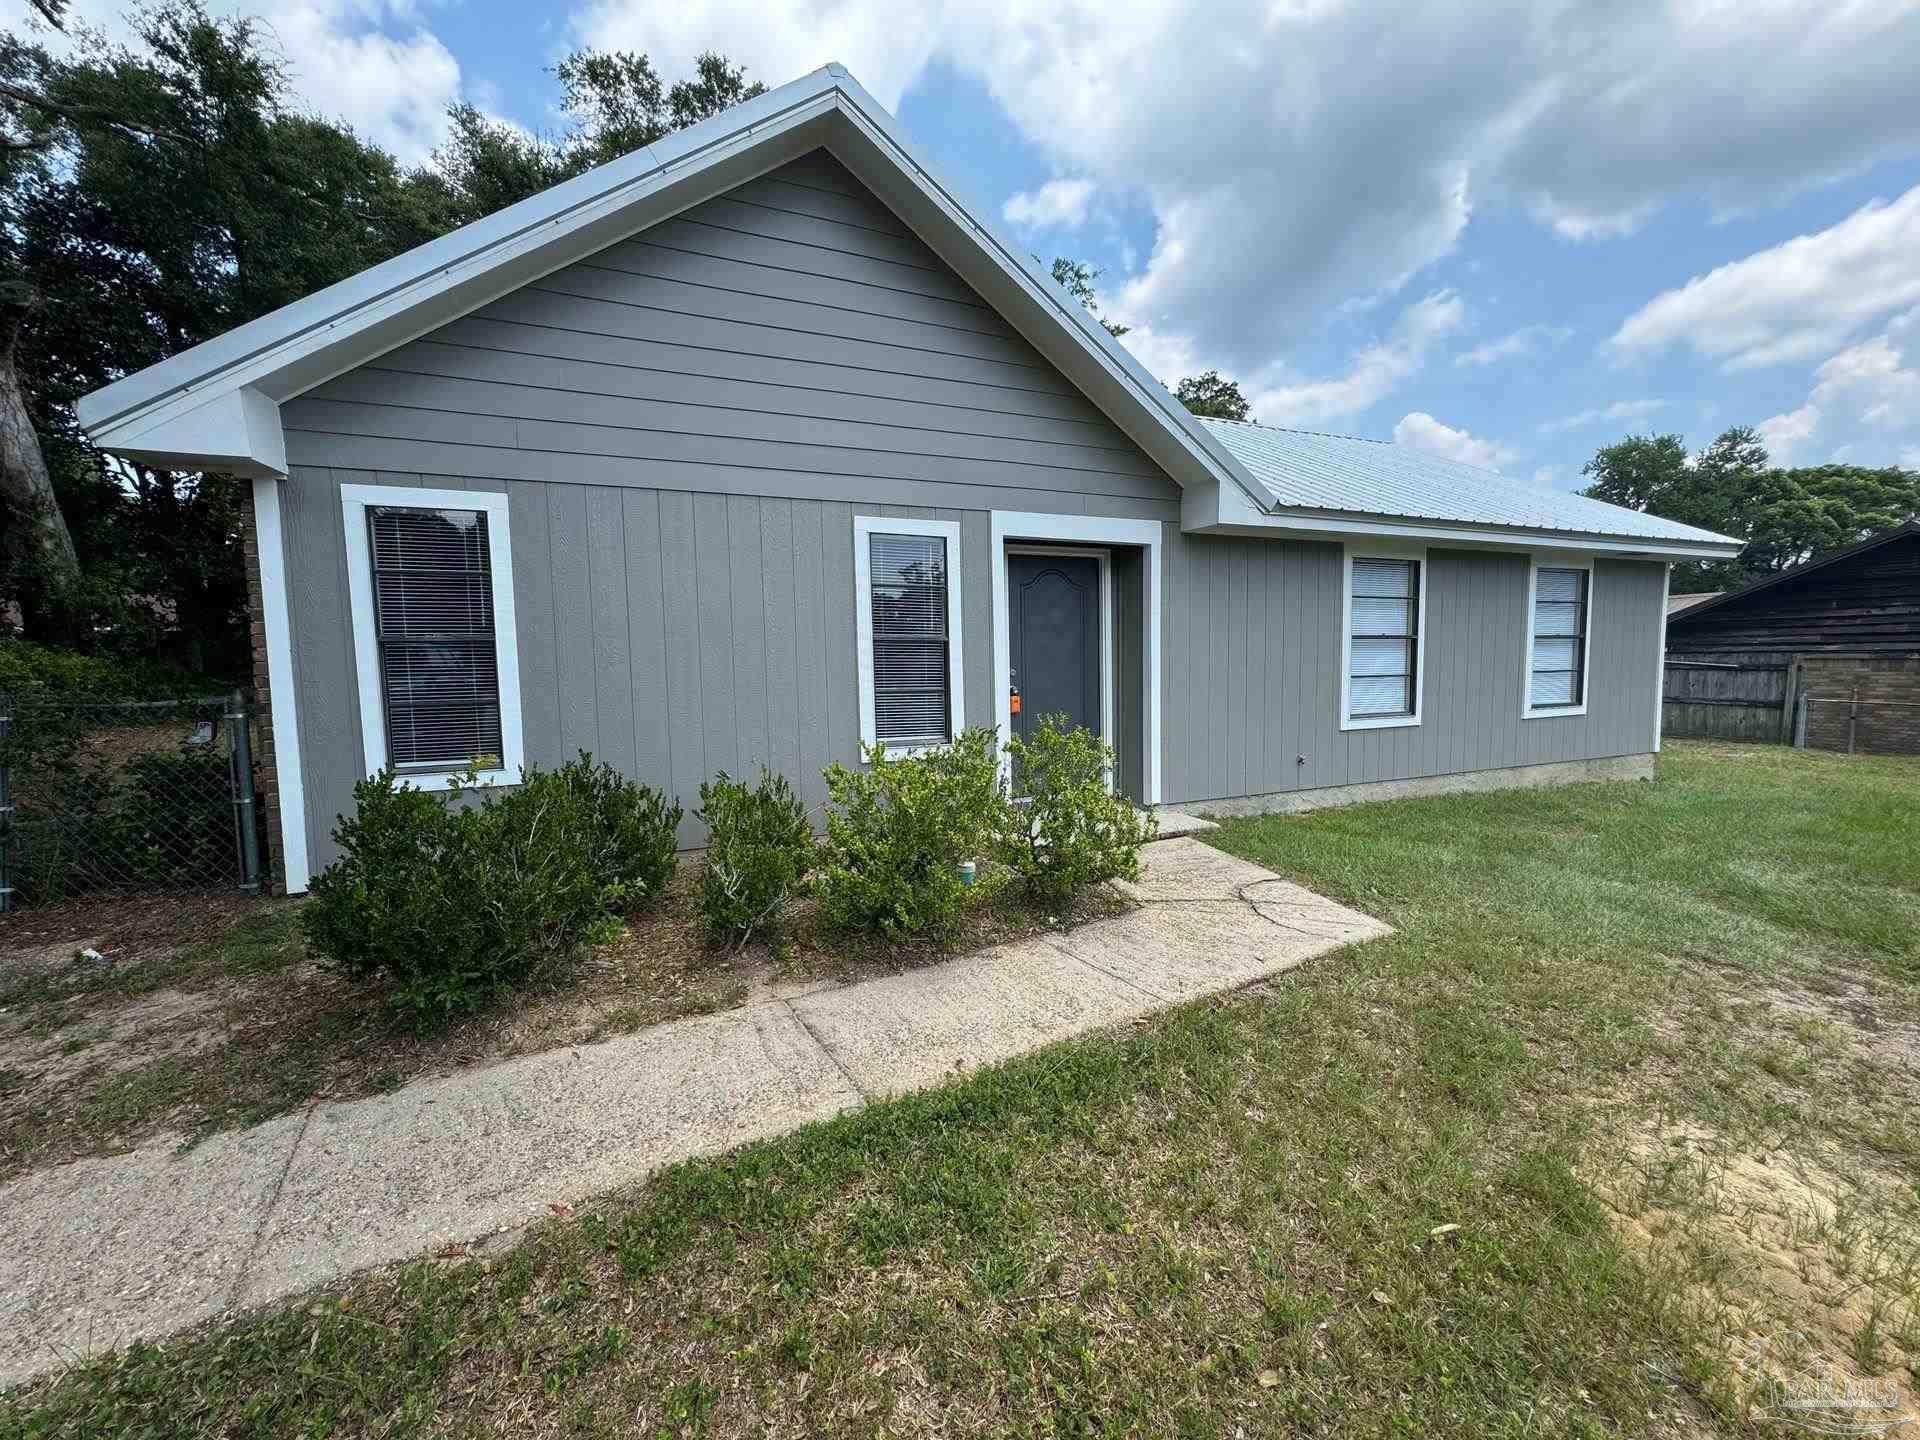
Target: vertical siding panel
column 747, row 569
column 783, row 681
column 1237, row 622
column 647, row 640
column 842, row 653
column 809, row 642
column 572, row 618
column 713, row 590
column 331, row 755
column 686, row 718
column 1329, row 755
column 1220, row 651
column 976, row 628
column 533, row 619
column 612, row 650
column 1176, row 669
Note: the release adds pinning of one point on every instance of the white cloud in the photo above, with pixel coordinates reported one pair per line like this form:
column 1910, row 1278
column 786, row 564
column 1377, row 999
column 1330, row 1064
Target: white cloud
column 1418, row 430
column 371, row 63
column 1058, row 204
column 1284, row 178
column 1619, row 410
column 1377, row 370
column 1523, row 341
column 1868, row 386
column 1795, row 301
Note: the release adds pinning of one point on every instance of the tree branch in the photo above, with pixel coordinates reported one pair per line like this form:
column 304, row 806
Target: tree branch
column 78, row 114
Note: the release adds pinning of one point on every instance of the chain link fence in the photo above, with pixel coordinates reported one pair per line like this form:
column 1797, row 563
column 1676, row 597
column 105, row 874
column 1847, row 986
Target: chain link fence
column 123, row 797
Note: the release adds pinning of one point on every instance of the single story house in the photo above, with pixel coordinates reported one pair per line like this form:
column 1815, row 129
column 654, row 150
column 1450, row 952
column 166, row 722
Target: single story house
column 1826, row 654
column 756, row 444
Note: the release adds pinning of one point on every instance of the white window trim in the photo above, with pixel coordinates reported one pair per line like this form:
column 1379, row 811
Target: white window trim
column 354, row 500
column 1553, row 560
column 864, row 528
column 1352, row 553
column 1022, row 525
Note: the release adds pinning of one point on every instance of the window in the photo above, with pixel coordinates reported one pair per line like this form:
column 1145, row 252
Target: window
column 1557, row 640
column 907, row 585
column 431, row 579
column 1380, row 683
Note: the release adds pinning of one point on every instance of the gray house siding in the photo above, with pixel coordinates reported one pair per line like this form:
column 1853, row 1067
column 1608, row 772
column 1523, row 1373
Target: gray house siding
column 685, row 426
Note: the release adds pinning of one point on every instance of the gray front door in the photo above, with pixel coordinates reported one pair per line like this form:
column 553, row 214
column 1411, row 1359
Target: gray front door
column 1053, row 611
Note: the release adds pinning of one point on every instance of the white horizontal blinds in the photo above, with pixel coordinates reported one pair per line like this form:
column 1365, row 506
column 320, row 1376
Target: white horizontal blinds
column 1383, row 646
column 911, row 703
column 1559, row 638
column 433, row 614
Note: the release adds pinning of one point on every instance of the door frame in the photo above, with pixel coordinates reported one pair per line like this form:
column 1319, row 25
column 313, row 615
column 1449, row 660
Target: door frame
column 1040, row 529
column 1104, row 616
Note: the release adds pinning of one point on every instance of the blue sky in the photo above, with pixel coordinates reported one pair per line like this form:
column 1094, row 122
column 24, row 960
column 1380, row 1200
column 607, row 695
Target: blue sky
column 1507, row 231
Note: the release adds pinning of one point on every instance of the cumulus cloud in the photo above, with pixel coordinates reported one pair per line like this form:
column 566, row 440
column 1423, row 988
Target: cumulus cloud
column 1619, row 410
column 1377, row 369
column 1058, row 204
column 1794, row 301
column 370, row 63
column 1524, row 341
column 1418, row 430
column 1869, row 385
column 1285, row 179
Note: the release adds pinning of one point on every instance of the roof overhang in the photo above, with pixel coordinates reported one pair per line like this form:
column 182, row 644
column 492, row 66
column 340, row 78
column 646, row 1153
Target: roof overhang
column 1223, row 510
column 216, row 406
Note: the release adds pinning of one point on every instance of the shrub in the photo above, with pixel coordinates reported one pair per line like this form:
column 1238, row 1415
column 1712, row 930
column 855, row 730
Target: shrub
column 1071, row 831
column 449, row 901
column 633, row 829
column 899, row 830
column 28, row 667
column 759, row 848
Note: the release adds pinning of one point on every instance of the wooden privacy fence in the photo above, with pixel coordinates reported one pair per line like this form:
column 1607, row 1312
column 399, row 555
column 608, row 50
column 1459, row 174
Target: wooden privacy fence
column 1728, row 700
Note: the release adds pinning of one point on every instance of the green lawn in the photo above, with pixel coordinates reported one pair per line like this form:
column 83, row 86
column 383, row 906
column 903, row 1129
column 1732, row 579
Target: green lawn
column 1616, row 1127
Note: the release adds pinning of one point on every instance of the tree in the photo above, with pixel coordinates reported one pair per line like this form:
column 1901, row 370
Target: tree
column 1786, row 517
column 1077, row 278
column 614, row 102
column 1214, row 395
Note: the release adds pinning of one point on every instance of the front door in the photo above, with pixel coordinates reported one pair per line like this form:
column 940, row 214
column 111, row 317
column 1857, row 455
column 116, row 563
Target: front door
column 1053, row 611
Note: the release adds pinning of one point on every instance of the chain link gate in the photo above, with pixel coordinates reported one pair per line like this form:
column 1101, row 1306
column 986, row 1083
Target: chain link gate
column 112, row 797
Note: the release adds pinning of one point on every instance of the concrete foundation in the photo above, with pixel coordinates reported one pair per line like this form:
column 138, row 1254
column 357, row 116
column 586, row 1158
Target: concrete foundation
column 1516, row 777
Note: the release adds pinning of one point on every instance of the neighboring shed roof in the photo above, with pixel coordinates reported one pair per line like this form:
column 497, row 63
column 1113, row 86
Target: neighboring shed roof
column 1713, row 603
column 1677, row 603
column 1303, row 469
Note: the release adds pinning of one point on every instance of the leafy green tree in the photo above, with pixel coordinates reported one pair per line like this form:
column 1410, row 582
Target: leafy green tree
column 1212, row 394
column 1077, row 278
column 1785, row 517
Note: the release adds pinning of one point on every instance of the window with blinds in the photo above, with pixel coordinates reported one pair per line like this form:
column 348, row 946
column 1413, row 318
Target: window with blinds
column 1557, row 676
column 434, row 618
column 912, row 676
column 1383, row 640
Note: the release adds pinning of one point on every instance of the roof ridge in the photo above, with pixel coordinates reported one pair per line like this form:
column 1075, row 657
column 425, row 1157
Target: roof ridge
column 1293, row 430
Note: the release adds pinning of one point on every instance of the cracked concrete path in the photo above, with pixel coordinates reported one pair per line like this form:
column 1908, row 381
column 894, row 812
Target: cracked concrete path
column 101, row 1252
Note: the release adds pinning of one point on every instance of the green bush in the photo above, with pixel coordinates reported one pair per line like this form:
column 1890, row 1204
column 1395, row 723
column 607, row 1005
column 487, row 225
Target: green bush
column 26, row 667
column 634, row 829
column 448, row 901
column 898, row 831
column 1071, row 831
column 759, row 849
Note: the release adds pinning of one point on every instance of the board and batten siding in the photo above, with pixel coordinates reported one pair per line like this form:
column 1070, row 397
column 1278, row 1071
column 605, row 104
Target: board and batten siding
column 685, row 426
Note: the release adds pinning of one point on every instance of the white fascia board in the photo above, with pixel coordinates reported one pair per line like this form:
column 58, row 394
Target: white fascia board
column 1223, row 512
column 305, row 343
column 236, row 432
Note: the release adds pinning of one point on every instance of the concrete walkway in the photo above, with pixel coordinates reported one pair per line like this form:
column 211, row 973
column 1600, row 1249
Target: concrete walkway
column 100, row 1252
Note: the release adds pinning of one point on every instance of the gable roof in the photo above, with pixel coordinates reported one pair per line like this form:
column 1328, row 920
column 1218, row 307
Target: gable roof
column 1820, row 562
column 217, row 406
column 1305, row 470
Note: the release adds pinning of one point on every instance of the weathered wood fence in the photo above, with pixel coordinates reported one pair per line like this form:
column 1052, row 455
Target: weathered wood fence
column 1745, row 699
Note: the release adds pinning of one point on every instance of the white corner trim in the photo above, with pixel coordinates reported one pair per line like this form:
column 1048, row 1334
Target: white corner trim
column 354, row 500
column 1659, row 659
column 1350, row 553
column 289, row 776
column 1571, row 560
column 1017, row 525
column 864, row 528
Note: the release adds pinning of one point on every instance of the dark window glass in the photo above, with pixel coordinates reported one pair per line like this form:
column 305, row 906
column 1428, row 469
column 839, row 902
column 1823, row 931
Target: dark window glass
column 1559, row 639
column 911, row 680
column 1383, row 647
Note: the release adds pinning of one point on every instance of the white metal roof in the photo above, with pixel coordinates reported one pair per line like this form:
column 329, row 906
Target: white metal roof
column 1306, row 470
